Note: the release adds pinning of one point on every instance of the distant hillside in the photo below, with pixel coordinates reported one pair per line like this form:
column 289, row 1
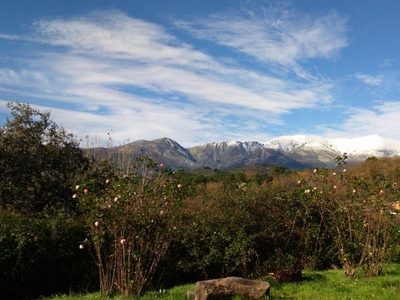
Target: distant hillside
column 227, row 155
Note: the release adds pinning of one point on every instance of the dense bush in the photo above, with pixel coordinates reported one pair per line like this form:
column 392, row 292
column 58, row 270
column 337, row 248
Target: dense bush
column 39, row 229
column 40, row 256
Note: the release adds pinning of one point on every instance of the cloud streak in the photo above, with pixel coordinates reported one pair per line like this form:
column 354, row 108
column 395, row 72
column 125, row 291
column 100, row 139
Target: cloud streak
column 282, row 38
column 109, row 70
column 368, row 79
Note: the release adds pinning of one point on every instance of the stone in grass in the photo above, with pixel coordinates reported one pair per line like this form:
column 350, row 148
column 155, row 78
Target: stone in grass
column 229, row 286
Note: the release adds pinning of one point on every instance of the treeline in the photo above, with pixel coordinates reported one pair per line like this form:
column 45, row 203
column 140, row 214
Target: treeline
column 70, row 222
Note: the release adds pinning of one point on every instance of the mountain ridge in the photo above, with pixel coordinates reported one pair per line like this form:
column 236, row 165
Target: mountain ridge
column 297, row 152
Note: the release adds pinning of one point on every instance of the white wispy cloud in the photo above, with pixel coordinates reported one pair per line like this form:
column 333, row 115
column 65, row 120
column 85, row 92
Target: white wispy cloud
column 380, row 120
column 109, row 70
column 283, row 37
column 368, row 79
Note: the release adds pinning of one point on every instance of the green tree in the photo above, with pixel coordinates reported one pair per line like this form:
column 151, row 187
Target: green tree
column 39, row 161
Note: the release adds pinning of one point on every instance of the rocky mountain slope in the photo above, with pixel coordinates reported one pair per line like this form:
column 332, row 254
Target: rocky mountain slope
column 294, row 153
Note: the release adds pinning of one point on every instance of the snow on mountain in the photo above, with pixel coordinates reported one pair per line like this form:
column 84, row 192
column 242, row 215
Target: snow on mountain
column 248, row 146
column 371, row 145
column 316, row 146
column 289, row 143
column 311, row 148
column 285, row 143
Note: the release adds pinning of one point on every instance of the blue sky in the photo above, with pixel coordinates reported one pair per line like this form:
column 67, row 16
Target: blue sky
column 201, row 71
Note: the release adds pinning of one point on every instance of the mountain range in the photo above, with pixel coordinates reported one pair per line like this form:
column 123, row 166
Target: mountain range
column 294, row 152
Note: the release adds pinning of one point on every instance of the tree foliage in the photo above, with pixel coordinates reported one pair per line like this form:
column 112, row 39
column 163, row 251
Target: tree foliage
column 38, row 161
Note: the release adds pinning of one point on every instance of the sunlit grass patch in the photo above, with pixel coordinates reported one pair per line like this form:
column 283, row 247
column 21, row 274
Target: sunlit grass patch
column 331, row 284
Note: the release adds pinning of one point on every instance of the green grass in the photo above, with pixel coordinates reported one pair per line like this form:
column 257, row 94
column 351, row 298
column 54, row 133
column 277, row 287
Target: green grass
column 333, row 284
column 330, row 284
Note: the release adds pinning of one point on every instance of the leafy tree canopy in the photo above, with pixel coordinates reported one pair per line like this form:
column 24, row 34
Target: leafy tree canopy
column 38, row 161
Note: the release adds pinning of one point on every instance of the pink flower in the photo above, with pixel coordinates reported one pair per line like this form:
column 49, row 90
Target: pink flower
column 81, row 246
column 381, row 192
column 96, row 223
column 85, row 191
column 298, row 182
column 161, row 165
column 161, row 212
column 107, row 181
column 179, row 186
column 122, row 241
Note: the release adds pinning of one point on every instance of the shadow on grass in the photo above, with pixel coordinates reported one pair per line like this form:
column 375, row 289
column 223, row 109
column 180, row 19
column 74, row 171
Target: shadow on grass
column 390, row 283
column 314, row 277
column 391, row 270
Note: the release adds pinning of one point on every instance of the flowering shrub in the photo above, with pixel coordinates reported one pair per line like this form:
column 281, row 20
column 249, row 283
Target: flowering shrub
column 132, row 220
column 353, row 213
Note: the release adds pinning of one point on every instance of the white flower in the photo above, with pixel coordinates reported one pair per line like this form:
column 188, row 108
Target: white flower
column 81, row 246
column 122, row 241
column 77, row 187
column 96, row 223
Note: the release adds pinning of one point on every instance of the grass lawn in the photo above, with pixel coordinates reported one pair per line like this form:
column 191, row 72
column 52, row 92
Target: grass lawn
column 330, row 284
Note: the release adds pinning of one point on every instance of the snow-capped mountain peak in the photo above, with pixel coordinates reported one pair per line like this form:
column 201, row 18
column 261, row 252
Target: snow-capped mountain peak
column 371, row 144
